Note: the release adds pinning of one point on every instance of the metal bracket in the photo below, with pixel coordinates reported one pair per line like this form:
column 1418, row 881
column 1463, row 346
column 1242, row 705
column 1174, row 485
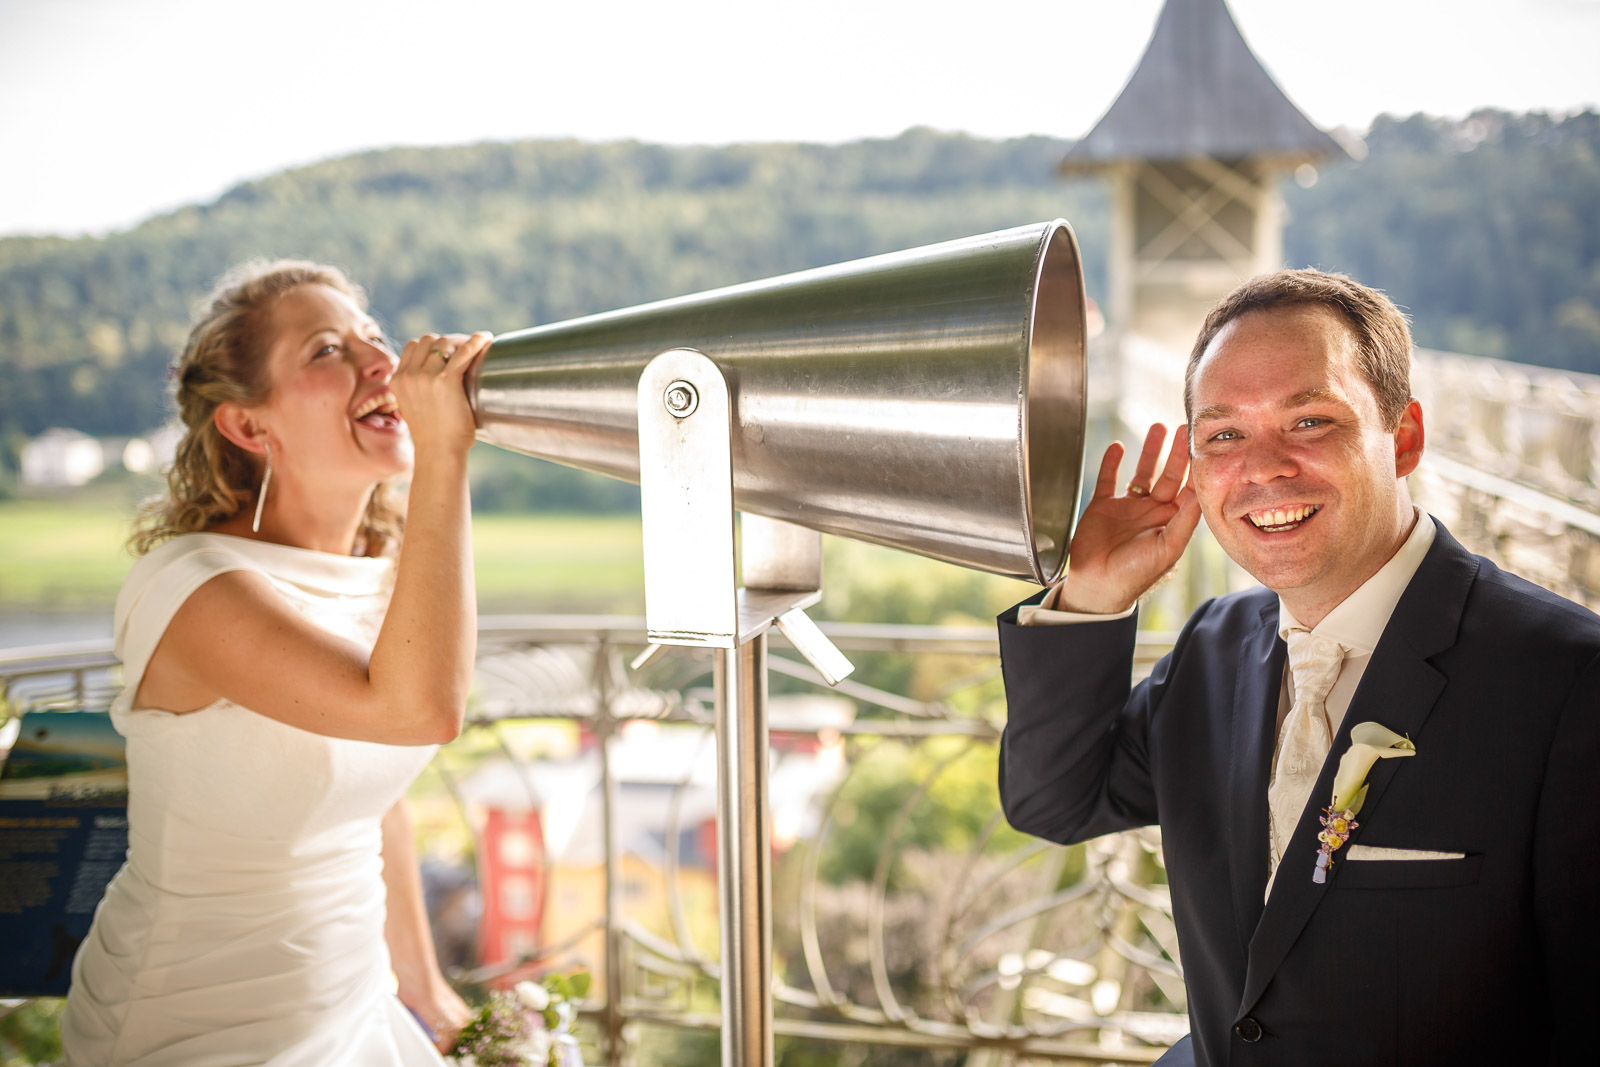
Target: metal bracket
column 814, row 645
column 686, row 501
column 781, row 564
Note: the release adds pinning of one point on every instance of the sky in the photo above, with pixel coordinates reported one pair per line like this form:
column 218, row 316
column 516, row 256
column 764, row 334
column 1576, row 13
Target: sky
column 115, row 110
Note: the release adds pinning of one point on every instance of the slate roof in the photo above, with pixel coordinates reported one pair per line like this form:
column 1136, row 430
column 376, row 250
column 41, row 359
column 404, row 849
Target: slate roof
column 1199, row 90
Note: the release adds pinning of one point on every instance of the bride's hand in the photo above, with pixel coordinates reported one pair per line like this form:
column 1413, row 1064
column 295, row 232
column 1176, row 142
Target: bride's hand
column 441, row 1010
column 429, row 383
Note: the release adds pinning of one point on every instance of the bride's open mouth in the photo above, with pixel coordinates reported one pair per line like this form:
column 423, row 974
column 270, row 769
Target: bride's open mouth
column 380, row 411
column 1280, row 520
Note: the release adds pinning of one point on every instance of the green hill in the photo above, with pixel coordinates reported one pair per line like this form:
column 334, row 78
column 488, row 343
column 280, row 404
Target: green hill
column 495, row 236
column 1487, row 228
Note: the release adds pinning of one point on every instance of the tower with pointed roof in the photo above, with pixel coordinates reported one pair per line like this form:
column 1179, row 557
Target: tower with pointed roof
column 1193, row 149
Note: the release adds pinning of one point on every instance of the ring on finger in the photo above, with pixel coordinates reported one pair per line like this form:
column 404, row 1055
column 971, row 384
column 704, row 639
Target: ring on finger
column 442, row 353
column 1137, row 490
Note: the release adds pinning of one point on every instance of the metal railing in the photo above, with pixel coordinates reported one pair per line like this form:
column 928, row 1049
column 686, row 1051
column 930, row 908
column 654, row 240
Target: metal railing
column 910, row 917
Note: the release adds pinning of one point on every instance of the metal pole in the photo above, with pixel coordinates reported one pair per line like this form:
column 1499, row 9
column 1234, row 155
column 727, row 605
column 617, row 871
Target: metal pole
column 744, row 865
column 605, row 726
column 691, row 598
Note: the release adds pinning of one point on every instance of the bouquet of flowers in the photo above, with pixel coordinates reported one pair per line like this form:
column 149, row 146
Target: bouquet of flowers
column 531, row 1026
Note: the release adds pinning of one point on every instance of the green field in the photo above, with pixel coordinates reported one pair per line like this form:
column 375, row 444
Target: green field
column 67, row 554
column 559, row 563
column 63, row 554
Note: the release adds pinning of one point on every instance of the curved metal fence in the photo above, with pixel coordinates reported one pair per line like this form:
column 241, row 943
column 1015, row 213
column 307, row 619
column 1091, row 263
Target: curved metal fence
column 569, row 827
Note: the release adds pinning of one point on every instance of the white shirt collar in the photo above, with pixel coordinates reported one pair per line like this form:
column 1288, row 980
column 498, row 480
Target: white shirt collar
column 1359, row 619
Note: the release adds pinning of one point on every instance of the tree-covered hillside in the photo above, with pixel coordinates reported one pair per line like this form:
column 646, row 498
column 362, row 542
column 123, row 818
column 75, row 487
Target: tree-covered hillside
column 495, row 236
column 1487, row 228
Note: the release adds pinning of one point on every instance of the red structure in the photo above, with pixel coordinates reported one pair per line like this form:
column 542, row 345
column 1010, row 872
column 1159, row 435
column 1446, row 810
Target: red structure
column 514, row 877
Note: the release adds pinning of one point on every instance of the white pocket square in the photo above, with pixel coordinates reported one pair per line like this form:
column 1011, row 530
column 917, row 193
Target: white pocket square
column 1374, row 852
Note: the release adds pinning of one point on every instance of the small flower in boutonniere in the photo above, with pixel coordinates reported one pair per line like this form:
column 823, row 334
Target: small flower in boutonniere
column 1369, row 743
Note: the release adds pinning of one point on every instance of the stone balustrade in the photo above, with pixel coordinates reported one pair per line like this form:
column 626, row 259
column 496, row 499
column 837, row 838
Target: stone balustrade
column 1532, row 425
column 1513, row 465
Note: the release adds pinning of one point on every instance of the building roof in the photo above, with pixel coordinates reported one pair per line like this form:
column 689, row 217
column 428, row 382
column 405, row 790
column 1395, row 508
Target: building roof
column 1199, row 90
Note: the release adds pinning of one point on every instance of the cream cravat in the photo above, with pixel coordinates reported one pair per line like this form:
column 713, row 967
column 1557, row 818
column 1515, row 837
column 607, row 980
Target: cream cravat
column 1303, row 745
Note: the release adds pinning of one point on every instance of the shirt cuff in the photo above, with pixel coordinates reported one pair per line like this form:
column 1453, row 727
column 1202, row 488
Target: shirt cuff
column 1045, row 613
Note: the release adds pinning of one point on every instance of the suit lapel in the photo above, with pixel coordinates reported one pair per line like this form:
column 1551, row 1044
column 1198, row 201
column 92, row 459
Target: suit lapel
column 1255, row 720
column 1399, row 690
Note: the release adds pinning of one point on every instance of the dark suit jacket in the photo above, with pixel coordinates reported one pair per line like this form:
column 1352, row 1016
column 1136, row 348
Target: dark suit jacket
column 1494, row 958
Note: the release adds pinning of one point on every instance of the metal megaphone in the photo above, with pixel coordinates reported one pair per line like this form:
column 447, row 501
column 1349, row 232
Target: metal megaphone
column 931, row 400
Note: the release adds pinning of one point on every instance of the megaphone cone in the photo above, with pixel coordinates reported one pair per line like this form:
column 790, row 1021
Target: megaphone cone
column 931, row 400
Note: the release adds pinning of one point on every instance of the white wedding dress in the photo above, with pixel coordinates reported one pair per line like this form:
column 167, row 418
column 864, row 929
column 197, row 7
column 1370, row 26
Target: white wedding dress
column 246, row 926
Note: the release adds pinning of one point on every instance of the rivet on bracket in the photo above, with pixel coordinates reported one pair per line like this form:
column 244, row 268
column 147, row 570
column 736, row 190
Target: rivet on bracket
column 681, row 399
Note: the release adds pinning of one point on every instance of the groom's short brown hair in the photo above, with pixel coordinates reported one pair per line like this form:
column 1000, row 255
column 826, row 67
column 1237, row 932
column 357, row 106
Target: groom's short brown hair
column 1383, row 340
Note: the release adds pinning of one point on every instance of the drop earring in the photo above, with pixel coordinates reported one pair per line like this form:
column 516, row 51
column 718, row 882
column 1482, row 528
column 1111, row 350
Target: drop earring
column 261, row 497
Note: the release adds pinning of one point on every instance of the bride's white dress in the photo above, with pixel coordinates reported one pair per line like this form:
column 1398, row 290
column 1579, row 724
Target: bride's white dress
column 247, row 925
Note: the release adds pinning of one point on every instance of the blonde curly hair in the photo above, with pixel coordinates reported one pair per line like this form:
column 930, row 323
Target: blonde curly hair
column 212, row 479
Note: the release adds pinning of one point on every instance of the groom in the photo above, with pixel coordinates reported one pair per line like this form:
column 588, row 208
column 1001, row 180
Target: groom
column 1456, row 922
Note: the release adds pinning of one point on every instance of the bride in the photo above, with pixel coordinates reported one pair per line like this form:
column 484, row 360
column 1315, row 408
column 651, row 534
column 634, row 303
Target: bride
column 289, row 665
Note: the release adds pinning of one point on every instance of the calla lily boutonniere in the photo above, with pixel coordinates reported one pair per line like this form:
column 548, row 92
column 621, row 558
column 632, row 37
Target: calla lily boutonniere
column 1369, row 743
